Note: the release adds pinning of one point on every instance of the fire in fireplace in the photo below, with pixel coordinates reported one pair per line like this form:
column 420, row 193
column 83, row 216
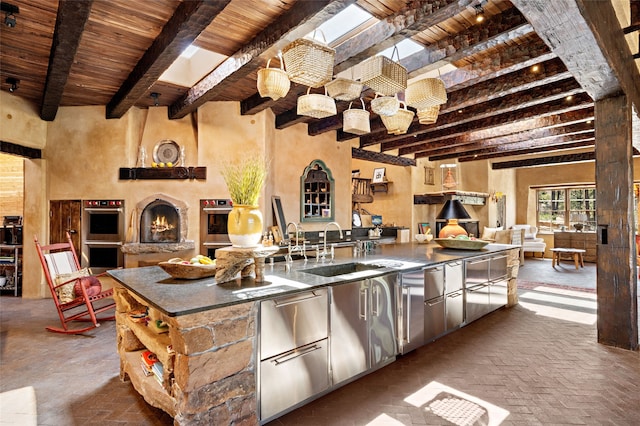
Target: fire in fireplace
column 160, row 223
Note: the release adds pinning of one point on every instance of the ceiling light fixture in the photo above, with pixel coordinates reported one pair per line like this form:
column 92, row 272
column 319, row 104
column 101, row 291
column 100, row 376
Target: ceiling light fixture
column 13, row 84
column 155, row 96
column 10, row 12
column 479, row 13
column 535, row 68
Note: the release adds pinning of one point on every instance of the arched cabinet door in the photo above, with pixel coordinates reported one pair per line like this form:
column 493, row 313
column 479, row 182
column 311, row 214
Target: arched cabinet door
column 317, row 193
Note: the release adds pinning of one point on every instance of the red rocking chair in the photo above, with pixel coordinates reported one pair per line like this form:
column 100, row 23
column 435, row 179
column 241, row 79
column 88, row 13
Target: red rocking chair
column 76, row 293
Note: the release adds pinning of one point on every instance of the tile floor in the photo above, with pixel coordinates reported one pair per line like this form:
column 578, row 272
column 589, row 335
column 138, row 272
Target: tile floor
column 535, row 364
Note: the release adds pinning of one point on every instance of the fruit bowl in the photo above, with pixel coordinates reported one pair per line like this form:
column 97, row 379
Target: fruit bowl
column 188, row 271
column 455, row 243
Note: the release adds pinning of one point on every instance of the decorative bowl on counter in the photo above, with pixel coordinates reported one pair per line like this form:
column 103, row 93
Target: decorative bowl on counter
column 188, row 271
column 455, row 243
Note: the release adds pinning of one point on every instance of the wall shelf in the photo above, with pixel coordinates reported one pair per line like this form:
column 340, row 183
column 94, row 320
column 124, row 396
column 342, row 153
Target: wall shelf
column 380, row 187
column 138, row 173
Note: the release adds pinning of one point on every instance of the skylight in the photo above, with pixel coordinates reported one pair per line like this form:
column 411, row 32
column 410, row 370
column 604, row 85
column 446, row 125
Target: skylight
column 340, row 24
column 189, row 51
column 406, row 47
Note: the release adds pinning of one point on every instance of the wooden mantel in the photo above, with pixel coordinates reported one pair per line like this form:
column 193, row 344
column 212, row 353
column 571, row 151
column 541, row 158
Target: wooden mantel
column 470, row 198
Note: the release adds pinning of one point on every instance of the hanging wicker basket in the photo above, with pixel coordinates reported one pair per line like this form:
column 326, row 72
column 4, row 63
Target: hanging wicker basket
column 273, row 82
column 316, row 105
column 399, row 123
column 425, row 93
column 383, row 75
column 356, row 121
column 309, row 62
column 343, row 89
column 428, row 115
column 385, row 105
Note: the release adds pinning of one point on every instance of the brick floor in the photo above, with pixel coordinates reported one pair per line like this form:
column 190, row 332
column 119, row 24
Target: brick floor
column 536, row 363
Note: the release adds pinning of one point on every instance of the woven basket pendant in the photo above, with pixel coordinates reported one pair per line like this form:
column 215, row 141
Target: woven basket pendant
column 273, row 82
column 383, row 75
column 309, row 62
column 356, row 121
column 425, row 93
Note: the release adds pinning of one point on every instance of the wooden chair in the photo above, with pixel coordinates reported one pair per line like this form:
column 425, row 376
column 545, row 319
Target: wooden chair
column 78, row 303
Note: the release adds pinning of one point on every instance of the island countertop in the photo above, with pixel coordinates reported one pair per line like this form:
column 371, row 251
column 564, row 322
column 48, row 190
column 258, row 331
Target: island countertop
column 176, row 297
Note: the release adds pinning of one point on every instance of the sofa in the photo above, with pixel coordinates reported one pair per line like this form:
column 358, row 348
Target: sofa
column 531, row 243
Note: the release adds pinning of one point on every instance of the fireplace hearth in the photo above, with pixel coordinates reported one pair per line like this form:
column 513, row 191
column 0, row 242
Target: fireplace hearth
column 158, row 225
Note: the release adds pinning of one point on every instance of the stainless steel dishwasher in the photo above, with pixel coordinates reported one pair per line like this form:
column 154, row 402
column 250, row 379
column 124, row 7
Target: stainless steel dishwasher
column 434, row 324
column 363, row 333
column 411, row 311
column 294, row 352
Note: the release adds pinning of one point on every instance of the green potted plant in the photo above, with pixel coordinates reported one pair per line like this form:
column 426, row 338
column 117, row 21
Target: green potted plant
column 245, row 181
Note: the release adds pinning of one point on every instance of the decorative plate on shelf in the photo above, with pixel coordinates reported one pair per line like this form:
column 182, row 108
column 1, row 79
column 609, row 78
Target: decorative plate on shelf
column 166, row 151
column 455, row 243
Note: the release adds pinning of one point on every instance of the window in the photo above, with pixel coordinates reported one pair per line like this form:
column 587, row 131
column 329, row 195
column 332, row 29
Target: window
column 566, row 208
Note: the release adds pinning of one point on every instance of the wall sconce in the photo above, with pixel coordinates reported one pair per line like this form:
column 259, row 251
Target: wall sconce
column 496, row 196
column 155, row 96
column 452, row 211
column 13, row 84
column 10, row 12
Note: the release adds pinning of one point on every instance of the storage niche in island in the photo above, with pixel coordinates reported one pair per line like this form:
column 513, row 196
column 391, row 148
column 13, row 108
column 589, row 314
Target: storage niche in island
column 205, row 370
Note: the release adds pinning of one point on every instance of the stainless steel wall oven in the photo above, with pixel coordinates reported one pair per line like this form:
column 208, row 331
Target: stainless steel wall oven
column 102, row 234
column 214, row 214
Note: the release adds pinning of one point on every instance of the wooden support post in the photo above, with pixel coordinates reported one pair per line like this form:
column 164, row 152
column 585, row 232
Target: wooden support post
column 616, row 280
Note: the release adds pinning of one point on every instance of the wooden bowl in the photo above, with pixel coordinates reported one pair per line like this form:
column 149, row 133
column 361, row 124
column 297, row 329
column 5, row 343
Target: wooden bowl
column 191, row 271
column 454, row 243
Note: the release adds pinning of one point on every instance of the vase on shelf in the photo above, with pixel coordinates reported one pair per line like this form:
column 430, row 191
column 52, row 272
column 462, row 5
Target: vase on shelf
column 244, row 226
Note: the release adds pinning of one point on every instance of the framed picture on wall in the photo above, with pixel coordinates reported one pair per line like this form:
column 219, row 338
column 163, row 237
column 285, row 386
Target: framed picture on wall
column 378, row 175
column 424, row 228
column 429, row 175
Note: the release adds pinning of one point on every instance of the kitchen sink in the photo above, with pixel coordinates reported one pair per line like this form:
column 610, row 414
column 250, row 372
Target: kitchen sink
column 341, row 269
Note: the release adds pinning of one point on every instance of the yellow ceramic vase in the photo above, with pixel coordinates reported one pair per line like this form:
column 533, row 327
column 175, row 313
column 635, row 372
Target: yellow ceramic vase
column 245, row 226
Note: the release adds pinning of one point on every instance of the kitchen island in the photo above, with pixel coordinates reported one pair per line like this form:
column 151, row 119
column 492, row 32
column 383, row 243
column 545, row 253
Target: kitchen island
column 207, row 336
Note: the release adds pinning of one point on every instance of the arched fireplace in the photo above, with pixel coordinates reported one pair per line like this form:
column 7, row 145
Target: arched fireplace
column 160, row 223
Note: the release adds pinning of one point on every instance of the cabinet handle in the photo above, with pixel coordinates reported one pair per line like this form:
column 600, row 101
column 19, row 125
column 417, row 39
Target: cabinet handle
column 295, row 354
column 362, row 306
column 408, row 331
column 279, row 303
column 375, row 293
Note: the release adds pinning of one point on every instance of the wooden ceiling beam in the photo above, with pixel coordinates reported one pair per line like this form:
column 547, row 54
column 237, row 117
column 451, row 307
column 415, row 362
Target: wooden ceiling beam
column 558, row 106
column 377, row 157
column 496, row 31
column 453, row 145
column 517, row 101
column 298, row 21
column 544, row 161
column 20, row 150
column 520, row 148
column 70, row 21
column 587, row 36
column 416, row 15
column 188, row 21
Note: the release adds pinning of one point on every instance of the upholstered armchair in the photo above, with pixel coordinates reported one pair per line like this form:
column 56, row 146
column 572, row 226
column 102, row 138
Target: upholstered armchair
column 531, row 243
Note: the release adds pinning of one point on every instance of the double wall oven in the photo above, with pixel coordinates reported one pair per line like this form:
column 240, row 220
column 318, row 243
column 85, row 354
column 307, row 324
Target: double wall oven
column 214, row 214
column 103, row 233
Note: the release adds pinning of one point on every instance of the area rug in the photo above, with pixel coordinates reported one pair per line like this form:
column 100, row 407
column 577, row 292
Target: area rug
column 18, row 407
column 531, row 285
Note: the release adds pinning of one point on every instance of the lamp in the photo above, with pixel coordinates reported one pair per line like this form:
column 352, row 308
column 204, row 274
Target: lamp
column 452, row 211
column 10, row 14
column 155, row 96
column 13, row 84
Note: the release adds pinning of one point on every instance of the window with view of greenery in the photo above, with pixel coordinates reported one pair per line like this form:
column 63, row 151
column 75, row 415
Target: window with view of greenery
column 571, row 208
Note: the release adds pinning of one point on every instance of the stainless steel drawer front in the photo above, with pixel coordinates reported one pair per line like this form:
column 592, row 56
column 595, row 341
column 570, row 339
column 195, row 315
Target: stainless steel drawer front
column 289, row 322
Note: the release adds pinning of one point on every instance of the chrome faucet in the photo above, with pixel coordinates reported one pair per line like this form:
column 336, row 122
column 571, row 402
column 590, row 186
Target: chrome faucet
column 326, row 227
column 296, row 247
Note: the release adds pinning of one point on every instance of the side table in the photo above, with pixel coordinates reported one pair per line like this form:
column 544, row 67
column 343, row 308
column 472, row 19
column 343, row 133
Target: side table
column 247, row 261
column 576, row 254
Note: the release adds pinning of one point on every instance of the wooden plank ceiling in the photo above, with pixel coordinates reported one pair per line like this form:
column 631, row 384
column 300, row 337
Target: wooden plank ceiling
column 509, row 94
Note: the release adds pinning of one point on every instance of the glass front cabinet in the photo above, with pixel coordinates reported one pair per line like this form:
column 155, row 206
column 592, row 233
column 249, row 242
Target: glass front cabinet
column 317, row 193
